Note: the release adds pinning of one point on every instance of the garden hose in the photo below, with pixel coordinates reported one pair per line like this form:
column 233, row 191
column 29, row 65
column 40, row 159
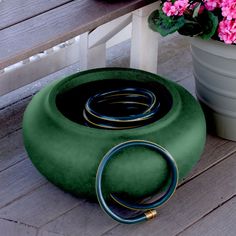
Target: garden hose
column 137, row 105
column 149, row 208
column 122, row 109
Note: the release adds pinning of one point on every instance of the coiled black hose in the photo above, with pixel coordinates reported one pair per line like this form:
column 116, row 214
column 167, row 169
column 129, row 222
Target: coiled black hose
column 121, row 109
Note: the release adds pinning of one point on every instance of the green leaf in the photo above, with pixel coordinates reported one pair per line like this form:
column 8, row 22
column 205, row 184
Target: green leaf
column 209, row 24
column 164, row 24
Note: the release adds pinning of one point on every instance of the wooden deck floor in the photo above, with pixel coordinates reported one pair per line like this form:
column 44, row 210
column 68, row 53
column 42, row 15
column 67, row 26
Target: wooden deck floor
column 204, row 204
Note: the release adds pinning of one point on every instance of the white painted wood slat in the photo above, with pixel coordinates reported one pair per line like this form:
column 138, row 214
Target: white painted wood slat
column 39, row 68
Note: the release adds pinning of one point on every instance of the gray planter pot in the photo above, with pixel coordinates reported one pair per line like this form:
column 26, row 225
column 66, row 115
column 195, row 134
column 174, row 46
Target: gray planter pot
column 214, row 70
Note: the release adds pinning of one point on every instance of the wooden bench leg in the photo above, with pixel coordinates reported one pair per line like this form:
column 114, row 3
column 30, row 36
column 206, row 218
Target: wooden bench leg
column 144, row 42
column 92, row 52
column 91, row 57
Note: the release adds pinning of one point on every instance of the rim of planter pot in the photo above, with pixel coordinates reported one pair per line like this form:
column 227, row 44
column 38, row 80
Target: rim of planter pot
column 215, row 47
column 81, row 78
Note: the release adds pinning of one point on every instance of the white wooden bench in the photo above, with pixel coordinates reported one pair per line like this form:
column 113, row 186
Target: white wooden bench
column 29, row 28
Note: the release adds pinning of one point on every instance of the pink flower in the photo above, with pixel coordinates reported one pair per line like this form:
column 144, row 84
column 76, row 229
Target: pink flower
column 175, row 9
column 223, row 10
column 169, row 9
column 227, row 31
column 228, row 8
column 181, row 6
column 212, row 4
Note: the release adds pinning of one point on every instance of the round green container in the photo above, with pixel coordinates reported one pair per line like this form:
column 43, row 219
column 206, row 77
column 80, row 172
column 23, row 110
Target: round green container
column 68, row 153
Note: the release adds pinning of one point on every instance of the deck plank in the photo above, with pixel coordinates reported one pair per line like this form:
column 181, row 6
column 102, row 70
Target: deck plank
column 46, row 233
column 11, row 150
column 188, row 84
column 13, row 11
column 216, row 150
column 43, row 205
column 8, row 228
column 219, row 222
column 177, row 68
column 87, row 219
column 170, row 47
column 17, row 181
column 11, row 117
column 175, row 62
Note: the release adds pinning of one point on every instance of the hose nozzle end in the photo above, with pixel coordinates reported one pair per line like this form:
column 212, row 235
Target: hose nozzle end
column 150, row 214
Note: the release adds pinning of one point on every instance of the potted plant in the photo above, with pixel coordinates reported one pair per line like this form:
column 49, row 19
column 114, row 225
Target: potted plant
column 213, row 53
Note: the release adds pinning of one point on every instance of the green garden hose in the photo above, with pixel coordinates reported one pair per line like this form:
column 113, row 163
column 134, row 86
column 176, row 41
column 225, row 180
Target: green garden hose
column 149, row 207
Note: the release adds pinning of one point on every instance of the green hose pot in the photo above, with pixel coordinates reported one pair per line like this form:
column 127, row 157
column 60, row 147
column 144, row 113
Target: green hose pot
column 68, row 153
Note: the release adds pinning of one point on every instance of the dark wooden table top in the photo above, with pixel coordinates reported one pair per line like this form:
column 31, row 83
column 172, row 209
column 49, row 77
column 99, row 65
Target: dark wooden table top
column 28, row 27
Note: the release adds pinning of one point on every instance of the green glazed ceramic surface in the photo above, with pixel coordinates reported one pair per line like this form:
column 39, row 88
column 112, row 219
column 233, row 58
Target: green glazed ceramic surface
column 68, row 153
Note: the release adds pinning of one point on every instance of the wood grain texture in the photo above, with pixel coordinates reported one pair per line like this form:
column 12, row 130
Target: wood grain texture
column 46, row 233
column 218, row 223
column 10, row 228
column 15, row 11
column 86, row 219
column 11, row 150
column 58, row 25
column 43, row 205
column 171, row 46
column 191, row 202
column 11, row 117
column 18, row 180
column 175, row 62
column 177, row 68
column 215, row 151
column 188, row 84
